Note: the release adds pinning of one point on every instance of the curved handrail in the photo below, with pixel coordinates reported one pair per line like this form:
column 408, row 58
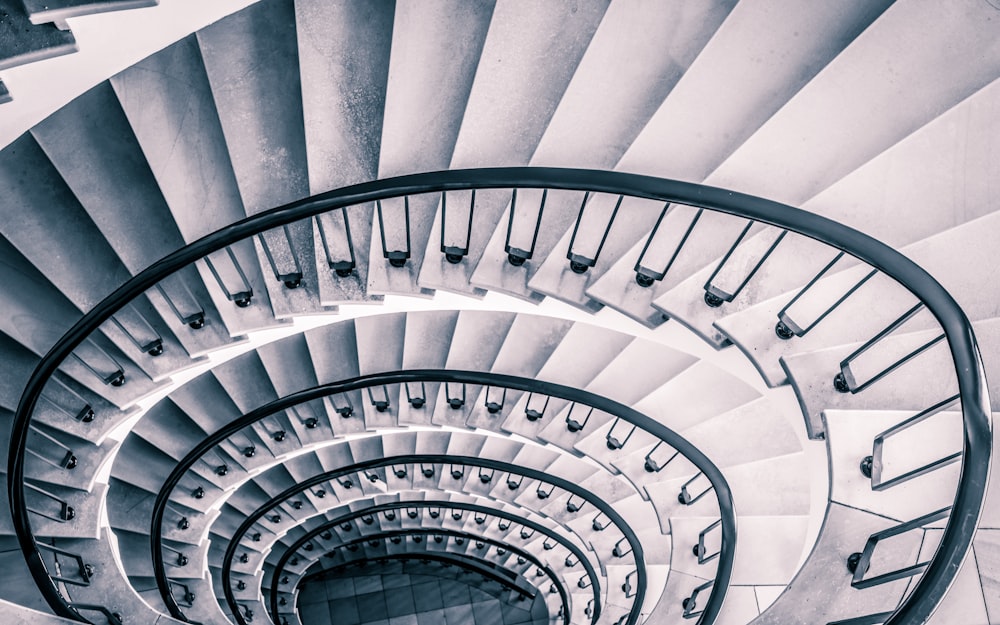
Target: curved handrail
column 470, row 461
column 976, row 460
column 442, row 504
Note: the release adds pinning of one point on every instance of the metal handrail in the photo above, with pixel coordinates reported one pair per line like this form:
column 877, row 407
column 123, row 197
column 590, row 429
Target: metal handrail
column 470, row 461
column 426, row 503
column 975, row 466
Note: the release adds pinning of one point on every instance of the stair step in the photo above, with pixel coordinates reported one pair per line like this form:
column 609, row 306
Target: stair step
column 796, row 260
column 850, row 436
column 854, row 319
column 624, row 75
column 169, row 104
column 773, row 70
column 25, row 42
column 966, row 601
column 264, row 132
column 986, row 547
column 514, row 92
column 434, row 61
column 845, row 532
column 907, row 388
column 344, row 55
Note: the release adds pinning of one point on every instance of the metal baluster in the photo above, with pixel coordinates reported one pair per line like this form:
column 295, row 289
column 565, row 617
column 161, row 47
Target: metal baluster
column 396, row 257
column 382, row 403
column 645, row 275
column 99, row 362
column 794, row 321
column 494, row 407
column 229, row 275
column 138, row 330
column 38, row 440
column 44, row 499
column 613, row 442
column 573, row 425
column 874, row 463
column 534, row 414
column 849, row 381
column 182, row 302
column 858, row 562
column 654, row 465
column 715, row 291
column 455, row 252
column 335, row 241
column 416, row 400
column 685, row 496
column 277, row 245
column 580, row 263
column 455, row 402
column 517, row 256
column 701, row 551
column 76, row 407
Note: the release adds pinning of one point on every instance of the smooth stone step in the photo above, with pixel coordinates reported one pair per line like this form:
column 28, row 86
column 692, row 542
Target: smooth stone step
column 905, row 173
column 853, row 320
column 25, row 42
column 907, row 388
column 850, row 436
column 986, row 547
column 844, row 533
column 264, row 132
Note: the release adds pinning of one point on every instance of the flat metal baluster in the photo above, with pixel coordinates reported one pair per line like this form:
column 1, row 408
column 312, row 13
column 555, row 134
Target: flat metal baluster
column 875, row 463
column 809, row 306
column 138, row 330
column 228, row 273
column 519, row 253
column 398, row 254
column 865, row 367
column 338, row 246
column 452, row 245
column 182, row 302
column 580, row 262
column 99, row 362
column 729, row 278
column 277, row 245
column 661, row 250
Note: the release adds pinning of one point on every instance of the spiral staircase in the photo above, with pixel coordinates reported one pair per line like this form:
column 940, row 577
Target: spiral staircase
column 384, row 313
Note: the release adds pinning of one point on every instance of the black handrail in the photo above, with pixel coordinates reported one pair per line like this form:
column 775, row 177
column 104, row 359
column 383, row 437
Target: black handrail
column 468, row 461
column 626, row 413
column 970, row 495
column 440, row 504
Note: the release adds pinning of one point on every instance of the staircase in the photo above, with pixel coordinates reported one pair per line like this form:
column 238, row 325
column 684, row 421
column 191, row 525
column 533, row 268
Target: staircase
column 608, row 383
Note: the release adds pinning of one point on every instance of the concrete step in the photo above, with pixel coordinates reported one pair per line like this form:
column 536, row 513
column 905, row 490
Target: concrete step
column 850, row 436
column 845, row 532
column 169, row 104
column 265, row 134
column 620, row 381
column 907, row 388
column 776, row 69
column 65, row 403
column 426, row 344
column 796, row 260
column 529, row 343
column 380, row 348
column 92, row 145
column 601, row 238
column 858, row 318
column 434, row 61
column 509, row 107
column 624, row 75
column 584, row 351
column 343, row 55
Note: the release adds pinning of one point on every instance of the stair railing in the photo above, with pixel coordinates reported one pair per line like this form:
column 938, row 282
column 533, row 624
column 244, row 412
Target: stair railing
column 606, row 188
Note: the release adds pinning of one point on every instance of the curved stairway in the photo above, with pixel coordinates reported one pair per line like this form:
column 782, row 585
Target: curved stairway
column 290, row 99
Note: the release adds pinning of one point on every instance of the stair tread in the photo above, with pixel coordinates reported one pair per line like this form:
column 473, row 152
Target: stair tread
column 920, row 155
column 25, row 42
column 781, row 64
column 343, row 61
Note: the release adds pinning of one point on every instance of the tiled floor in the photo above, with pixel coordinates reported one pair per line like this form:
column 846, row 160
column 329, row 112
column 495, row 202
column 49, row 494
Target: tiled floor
column 411, row 594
